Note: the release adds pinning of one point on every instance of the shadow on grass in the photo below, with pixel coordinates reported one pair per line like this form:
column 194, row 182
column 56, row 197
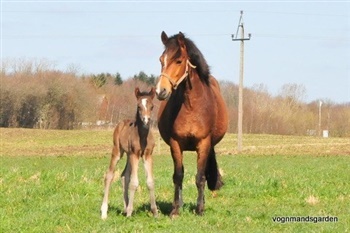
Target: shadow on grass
column 116, row 210
column 164, row 208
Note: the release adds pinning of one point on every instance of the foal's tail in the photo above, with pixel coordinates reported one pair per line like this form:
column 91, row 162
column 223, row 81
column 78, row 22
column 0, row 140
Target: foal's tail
column 212, row 173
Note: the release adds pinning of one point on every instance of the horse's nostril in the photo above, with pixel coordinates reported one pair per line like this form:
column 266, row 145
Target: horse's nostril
column 161, row 93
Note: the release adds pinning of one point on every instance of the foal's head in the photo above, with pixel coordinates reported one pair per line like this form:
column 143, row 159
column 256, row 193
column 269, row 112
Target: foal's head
column 144, row 105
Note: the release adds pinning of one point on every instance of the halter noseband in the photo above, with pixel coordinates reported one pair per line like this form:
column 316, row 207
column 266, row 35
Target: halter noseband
column 176, row 84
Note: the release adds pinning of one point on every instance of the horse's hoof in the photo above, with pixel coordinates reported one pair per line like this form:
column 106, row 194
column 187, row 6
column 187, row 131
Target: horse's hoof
column 200, row 210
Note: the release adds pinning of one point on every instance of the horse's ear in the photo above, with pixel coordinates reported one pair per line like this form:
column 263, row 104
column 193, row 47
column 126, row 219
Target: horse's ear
column 164, row 37
column 137, row 92
column 152, row 92
column 181, row 40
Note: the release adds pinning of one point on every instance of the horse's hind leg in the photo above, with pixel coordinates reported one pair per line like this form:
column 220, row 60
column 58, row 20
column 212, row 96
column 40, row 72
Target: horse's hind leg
column 116, row 155
column 178, row 176
column 150, row 182
column 203, row 149
column 125, row 183
column 134, row 182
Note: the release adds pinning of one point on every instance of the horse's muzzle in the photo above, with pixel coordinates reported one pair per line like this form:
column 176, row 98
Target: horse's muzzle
column 163, row 94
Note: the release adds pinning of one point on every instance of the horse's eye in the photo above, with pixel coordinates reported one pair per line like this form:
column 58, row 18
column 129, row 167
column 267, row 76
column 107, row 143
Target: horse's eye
column 178, row 62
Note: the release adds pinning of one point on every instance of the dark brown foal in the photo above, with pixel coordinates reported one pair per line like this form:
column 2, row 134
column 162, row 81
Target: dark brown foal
column 136, row 139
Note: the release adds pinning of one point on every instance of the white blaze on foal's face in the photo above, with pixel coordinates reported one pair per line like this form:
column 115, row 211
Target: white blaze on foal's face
column 145, row 111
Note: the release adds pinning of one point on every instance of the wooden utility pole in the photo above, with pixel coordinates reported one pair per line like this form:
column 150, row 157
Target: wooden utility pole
column 319, row 118
column 240, row 89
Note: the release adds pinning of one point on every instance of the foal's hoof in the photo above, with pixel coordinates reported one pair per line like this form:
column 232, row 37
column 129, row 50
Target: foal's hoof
column 128, row 215
column 174, row 213
column 155, row 213
column 104, row 209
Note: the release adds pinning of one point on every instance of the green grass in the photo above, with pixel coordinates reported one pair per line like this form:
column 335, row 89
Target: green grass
column 52, row 181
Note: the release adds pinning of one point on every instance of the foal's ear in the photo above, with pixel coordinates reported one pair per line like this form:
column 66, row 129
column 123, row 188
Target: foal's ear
column 152, row 92
column 137, row 92
column 181, row 40
column 164, row 37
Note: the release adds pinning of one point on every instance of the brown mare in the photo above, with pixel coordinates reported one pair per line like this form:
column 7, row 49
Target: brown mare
column 192, row 114
column 136, row 139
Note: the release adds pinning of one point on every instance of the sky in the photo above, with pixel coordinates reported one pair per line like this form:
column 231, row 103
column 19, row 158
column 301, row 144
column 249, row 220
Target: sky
column 293, row 42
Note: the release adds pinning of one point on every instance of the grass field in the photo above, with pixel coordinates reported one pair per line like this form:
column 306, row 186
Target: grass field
column 52, row 181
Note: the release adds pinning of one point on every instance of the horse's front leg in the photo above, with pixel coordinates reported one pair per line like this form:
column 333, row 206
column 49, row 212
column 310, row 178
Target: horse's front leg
column 134, row 182
column 178, row 176
column 148, row 164
column 203, row 149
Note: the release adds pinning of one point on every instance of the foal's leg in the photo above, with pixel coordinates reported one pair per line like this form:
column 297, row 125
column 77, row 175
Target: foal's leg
column 125, row 178
column 178, row 176
column 134, row 182
column 147, row 158
column 116, row 155
column 203, row 148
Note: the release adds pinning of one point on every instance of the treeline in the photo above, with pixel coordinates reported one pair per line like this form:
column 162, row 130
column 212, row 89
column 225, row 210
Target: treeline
column 36, row 95
column 286, row 113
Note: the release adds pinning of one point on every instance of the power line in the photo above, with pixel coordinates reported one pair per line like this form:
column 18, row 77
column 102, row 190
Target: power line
column 299, row 13
column 169, row 11
column 103, row 36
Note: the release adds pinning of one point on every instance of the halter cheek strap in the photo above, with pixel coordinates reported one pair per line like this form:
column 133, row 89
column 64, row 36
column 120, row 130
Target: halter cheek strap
column 176, row 84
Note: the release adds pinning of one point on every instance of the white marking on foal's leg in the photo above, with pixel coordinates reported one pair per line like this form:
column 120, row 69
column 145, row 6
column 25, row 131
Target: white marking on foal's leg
column 104, row 208
column 134, row 183
column 108, row 179
column 150, row 185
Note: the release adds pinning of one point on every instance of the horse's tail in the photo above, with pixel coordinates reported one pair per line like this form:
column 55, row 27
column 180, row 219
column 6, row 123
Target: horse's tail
column 212, row 173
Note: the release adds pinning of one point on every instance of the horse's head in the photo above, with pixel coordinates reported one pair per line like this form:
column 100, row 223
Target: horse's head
column 175, row 63
column 144, row 105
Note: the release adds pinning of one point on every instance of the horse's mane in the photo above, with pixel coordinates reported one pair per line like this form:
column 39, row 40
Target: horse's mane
column 196, row 57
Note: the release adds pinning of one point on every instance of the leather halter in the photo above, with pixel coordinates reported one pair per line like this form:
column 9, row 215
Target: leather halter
column 176, row 84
